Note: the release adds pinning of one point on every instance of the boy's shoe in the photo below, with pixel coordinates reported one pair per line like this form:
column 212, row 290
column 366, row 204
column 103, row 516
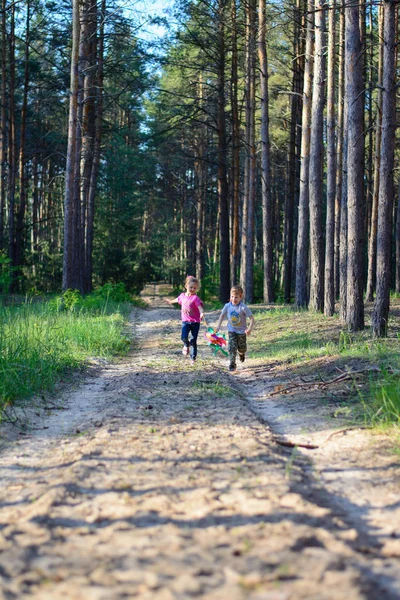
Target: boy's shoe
column 242, row 357
column 185, row 350
column 232, row 367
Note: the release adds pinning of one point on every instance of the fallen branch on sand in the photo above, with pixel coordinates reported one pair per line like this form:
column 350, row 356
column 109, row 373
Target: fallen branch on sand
column 315, row 446
column 323, row 384
column 296, row 444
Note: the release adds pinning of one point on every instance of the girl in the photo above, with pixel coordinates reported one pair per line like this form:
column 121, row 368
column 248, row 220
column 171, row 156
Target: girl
column 192, row 314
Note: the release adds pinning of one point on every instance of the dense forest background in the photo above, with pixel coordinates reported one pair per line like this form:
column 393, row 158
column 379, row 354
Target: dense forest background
column 254, row 143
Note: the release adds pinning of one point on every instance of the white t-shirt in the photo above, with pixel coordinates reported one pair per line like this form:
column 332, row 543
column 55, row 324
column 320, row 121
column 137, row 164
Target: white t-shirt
column 237, row 316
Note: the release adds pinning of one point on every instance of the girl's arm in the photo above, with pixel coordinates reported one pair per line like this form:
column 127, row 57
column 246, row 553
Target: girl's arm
column 174, row 301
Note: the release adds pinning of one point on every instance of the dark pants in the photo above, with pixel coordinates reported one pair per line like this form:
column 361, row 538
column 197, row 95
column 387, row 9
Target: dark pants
column 237, row 343
column 192, row 328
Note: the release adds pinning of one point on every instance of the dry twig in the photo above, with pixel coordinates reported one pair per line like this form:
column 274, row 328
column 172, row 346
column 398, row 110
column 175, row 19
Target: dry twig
column 324, row 384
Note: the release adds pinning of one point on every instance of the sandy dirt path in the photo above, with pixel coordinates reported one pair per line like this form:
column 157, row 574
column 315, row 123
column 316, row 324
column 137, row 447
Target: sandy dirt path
column 157, row 481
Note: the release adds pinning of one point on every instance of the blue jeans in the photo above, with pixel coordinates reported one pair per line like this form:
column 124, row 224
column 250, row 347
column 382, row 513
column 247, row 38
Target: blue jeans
column 192, row 328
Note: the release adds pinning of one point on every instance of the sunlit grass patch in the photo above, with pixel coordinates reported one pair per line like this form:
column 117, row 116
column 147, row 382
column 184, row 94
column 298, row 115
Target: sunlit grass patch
column 286, row 334
column 215, row 388
column 39, row 342
column 312, row 343
column 381, row 401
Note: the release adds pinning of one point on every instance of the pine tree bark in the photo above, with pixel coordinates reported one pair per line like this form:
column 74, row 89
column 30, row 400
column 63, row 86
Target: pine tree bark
column 371, row 276
column 397, row 273
column 316, row 163
column 22, row 145
column 355, row 169
column 381, row 309
column 339, row 154
column 200, row 187
column 224, row 250
column 266, row 191
column 98, row 127
column 68, row 267
column 235, row 169
column 343, row 223
column 247, row 246
column 3, row 119
column 301, row 297
column 89, row 32
column 370, row 114
column 292, row 159
column 329, row 301
column 12, row 144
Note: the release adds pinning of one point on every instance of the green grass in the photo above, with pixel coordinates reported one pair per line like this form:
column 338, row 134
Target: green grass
column 216, row 388
column 284, row 335
column 381, row 402
column 41, row 341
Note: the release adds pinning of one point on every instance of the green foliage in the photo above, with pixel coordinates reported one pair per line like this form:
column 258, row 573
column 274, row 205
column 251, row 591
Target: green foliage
column 99, row 300
column 112, row 291
column 210, row 289
column 6, row 273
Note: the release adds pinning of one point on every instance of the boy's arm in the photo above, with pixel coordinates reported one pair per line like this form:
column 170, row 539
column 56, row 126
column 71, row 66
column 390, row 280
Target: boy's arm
column 218, row 326
column 249, row 329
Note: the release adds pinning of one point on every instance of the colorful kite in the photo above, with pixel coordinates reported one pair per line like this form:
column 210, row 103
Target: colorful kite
column 216, row 341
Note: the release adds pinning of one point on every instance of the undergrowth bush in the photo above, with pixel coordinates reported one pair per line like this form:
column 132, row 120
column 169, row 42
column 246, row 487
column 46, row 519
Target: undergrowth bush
column 103, row 298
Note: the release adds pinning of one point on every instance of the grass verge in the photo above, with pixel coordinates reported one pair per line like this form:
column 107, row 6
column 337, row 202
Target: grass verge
column 39, row 342
column 312, row 346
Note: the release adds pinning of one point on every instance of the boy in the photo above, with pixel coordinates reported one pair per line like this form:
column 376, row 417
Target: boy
column 237, row 313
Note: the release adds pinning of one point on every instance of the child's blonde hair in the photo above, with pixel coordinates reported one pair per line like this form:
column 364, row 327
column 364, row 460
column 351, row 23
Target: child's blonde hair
column 237, row 288
column 192, row 279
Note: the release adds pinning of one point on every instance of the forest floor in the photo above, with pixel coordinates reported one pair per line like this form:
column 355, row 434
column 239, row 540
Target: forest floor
column 150, row 478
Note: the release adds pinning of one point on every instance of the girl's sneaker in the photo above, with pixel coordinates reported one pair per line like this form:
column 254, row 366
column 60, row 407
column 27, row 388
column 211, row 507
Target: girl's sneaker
column 185, row 350
column 192, row 361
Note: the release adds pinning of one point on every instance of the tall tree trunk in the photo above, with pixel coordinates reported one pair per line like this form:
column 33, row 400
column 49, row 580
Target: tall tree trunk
column 89, row 31
column 222, row 165
column 339, row 153
column 355, row 170
column 329, row 303
column 68, row 267
column 371, row 277
column 3, row 123
column 200, row 186
column 35, row 212
column 397, row 273
column 22, row 177
column 12, row 151
column 98, row 127
column 316, row 163
column 235, row 149
column 247, row 248
column 303, row 217
column 293, row 157
column 381, row 308
column 343, row 222
column 266, row 191
column 369, row 88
